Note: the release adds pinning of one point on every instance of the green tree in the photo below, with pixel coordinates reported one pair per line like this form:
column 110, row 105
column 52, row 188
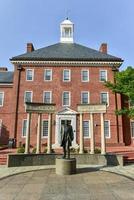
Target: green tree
column 124, row 84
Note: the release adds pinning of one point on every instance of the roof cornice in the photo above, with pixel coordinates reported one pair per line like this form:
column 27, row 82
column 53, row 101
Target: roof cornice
column 70, row 63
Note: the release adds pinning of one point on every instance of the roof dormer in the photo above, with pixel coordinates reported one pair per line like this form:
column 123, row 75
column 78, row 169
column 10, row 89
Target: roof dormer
column 67, row 29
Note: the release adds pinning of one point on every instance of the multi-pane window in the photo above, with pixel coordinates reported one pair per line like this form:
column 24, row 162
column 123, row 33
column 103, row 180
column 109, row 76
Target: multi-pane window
column 28, row 96
column 29, row 74
column 1, row 98
column 24, row 128
column 107, row 129
column 48, row 74
column 47, row 97
column 66, row 75
column 84, row 97
column 132, row 129
column 103, row 75
column 66, row 99
column 86, row 129
column 104, row 98
column 85, row 75
column 44, row 128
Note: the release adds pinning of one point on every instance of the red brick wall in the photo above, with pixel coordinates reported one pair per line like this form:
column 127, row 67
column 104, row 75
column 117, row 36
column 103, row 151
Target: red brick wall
column 6, row 114
column 75, row 87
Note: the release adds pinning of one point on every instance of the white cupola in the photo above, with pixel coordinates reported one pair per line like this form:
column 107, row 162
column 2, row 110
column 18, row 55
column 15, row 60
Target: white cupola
column 67, row 30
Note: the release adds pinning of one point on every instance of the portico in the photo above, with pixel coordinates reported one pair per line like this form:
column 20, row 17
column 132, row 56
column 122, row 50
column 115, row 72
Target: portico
column 39, row 108
column 92, row 109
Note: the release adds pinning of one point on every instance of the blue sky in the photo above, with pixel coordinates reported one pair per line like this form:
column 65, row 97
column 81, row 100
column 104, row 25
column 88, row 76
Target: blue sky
column 96, row 21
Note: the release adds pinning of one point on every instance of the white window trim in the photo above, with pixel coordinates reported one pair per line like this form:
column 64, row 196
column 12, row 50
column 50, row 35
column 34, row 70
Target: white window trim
column 107, row 97
column 22, row 128
column 31, row 95
column 69, row 98
column 45, row 75
column 50, row 96
column 85, row 137
column 1, row 127
column 82, row 75
column 32, row 74
column 109, row 129
column 2, row 99
column 42, row 128
column 88, row 96
column 100, row 76
column 69, row 75
column 131, row 129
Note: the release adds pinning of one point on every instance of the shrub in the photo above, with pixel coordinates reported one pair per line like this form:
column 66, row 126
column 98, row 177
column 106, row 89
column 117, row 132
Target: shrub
column 21, row 150
column 34, row 150
column 97, row 150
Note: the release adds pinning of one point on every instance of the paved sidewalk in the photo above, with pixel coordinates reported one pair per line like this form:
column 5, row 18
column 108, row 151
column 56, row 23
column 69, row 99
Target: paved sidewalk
column 127, row 171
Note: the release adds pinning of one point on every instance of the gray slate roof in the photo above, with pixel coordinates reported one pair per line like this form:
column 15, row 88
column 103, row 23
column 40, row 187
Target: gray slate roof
column 6, row 77
column 64, row 52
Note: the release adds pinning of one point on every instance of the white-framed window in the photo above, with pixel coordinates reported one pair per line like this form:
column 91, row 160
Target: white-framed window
column 85, row 75
column 0, row 127
column 107, row 128
column 104, row 98
column 24, row 127
column 103, row 75
column 45, row 128
column 86, row 128
column 66, row 75
column 48, row 75
column 132, row 128
column 66, row 98
column 84, row 97
column 1, row 98
column 47, row 97
column 28, row 96
column 29, row 74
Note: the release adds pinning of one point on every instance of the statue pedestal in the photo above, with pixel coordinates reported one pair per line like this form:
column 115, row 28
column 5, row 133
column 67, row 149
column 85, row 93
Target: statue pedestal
column 65, row 166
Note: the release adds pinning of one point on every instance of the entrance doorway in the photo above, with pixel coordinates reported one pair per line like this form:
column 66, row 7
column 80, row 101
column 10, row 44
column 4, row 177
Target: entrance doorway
column 63, row 122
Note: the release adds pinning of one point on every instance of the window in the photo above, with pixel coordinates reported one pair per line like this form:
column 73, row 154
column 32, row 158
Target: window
column 24, row 128
column 1, row 98
column 0, row 127
column 45, row 128
column 84, row 97
column 66, row 75
column 103, row 75
column 66, row 32
column 86, row 129
column 107, row 129
column 104, row 98
column 48, row 75
column 66, row 99
column 29, row 74
column 47, row 97
column 132, row 129
column 28, row 96
column 85, row 75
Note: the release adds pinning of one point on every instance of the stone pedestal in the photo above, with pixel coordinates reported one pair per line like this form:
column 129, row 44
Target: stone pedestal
column 65, row 166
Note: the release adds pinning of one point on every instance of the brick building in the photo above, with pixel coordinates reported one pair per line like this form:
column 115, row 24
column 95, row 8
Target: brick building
column 69, row 75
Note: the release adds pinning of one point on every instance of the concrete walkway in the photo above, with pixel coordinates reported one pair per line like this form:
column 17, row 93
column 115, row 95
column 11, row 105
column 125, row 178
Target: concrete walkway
column 127, row 171
column 88, row 184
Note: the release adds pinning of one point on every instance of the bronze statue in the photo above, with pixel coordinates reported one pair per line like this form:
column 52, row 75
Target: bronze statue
column 66, row 138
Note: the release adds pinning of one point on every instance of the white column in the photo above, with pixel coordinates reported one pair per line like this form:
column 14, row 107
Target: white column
column 81, row 135
column 92, row 140
column 27, row 145
column 49, row 142
column 103, row 144
column 38, row 150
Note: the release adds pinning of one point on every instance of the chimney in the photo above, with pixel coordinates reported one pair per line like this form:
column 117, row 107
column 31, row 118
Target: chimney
column 3, row 69
column 103, row 48
column 30, row 47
